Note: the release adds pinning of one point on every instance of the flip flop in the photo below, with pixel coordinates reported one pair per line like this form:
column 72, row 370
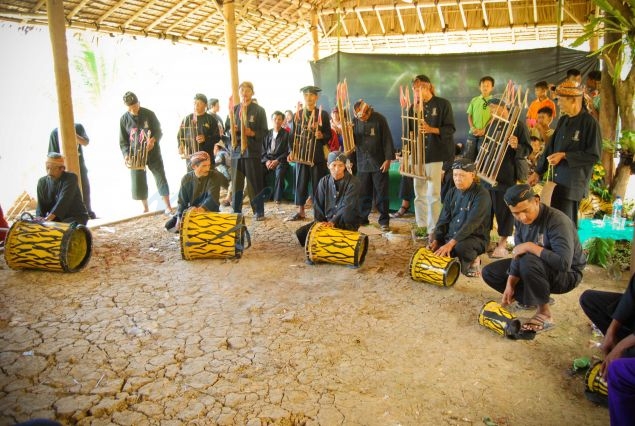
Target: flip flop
column 295, row 217
column 538, row 323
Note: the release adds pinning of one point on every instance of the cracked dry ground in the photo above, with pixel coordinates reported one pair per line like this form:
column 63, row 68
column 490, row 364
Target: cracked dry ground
column 142, row 337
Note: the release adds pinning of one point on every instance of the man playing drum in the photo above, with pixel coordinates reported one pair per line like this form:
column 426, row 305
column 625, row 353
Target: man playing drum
column 464, row 223
column 547, row 257
column 200, row 189
column 58, row 196
column 336, row 198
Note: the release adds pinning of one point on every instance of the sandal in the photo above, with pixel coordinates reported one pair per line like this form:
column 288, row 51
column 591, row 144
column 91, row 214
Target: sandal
column 399, row 213
column 538, row 323
column 474, row 269
column 295, row 217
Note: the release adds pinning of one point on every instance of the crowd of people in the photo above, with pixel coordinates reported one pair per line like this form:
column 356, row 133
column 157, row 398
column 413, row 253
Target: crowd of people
column 458, row 210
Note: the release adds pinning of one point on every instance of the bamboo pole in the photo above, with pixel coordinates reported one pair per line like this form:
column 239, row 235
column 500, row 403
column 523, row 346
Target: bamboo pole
column 314, row 35
column 57, row 33
column 232, row 53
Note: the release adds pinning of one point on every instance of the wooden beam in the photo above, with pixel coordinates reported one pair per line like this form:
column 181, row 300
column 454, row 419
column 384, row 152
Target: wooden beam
column 232, row 51
column 463, row 18
column 166, row 15
column 401, row 25
column 314, row 35
column 57, row 32
column 381, row 22
column 361, row 21
column 138, row 13
column 110, row 11
column 77, row 8
column 421, row 21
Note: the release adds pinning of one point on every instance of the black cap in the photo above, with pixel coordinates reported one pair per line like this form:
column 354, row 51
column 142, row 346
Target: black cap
column 200, row 97
column 464, row 164
column 130, row 98
column 311, row 89
column 519, row 193
column 496, row 101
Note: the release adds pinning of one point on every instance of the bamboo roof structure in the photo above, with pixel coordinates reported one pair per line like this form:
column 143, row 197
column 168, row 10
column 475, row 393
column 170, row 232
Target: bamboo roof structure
column 287, row 28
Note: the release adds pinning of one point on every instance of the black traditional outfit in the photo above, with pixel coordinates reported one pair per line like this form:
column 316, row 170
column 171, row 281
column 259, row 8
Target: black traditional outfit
column 62, row 198
column 374, row 146
column 579, row 138
column 558, row 269
column 131, row 126
column 247, row 164
column 191, row 126
column 54, row 146
column 465, row 218
column 305, row 174
column 276, row 147
column 335, row 201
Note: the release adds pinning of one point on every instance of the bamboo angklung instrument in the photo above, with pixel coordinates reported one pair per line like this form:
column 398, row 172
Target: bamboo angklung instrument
column 413, row 154
column 344, row 107
column 498, row 131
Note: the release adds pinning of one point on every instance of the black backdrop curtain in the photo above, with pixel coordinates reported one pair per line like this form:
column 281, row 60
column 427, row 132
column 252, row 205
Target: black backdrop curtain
column 376, row 78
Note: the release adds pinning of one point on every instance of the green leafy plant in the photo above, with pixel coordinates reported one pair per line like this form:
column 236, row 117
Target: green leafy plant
column 420, row 231
column 626, row 143
column 600, row 251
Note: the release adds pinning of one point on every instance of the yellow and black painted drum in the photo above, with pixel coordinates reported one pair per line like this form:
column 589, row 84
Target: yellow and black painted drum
column 495, row 317
column 593, row 382
column 426, row 267
column 48, row 246
column 209, row 235
column 327, row 244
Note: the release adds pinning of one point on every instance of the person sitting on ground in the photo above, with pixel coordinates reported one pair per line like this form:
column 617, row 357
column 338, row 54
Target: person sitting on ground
column 200, row 189
column 621, row 382
column 464, row 223
column 547, row 257
column 223, row 163
column 336, row 199
column 614, row 314
column 59, row 198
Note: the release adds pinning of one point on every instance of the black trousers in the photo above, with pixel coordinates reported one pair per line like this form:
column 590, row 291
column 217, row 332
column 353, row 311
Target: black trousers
column 500, row 211
column 249, row 168
column 278, row 184
column 140, row 181
column 305, row 175
column 406, row 189
column 602, row 306
column 537, row 279
column 566, row 206
column 374, row 185
column 467, row 250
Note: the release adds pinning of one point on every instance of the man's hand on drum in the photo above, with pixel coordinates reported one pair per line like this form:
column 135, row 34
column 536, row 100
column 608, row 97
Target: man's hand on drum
column 329, row 224
column 446, row 249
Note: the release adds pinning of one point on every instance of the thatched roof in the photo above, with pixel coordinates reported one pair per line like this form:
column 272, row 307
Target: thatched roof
column 277, row 28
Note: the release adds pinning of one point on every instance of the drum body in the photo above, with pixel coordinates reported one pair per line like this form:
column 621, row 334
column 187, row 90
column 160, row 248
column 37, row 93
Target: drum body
column 499, row 319
column 426, row 267
column 210, row 235
column 48, row 246
column 327, row 244
column 593, row 382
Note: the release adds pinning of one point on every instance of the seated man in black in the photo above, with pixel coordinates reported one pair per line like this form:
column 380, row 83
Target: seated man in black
column 200, row 189
column 464, row 223
column 547, row 257
column 59, row 198
column 336, row 199
column 275, row 150
column 614, row 314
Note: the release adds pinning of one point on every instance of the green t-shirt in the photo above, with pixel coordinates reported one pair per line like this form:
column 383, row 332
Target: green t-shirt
column 479, row 111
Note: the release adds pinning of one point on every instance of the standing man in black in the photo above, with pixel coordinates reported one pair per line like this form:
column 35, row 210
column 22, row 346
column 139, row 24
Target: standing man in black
column 275, row 150
column 576, row 145
column 141, row 122
column 375, row 151
column 306, row 174
column 251, row 127
column 82, row 140
column 199, row 129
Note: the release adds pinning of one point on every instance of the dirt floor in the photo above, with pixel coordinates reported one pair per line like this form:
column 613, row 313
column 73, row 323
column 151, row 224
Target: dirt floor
column 141, row 336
